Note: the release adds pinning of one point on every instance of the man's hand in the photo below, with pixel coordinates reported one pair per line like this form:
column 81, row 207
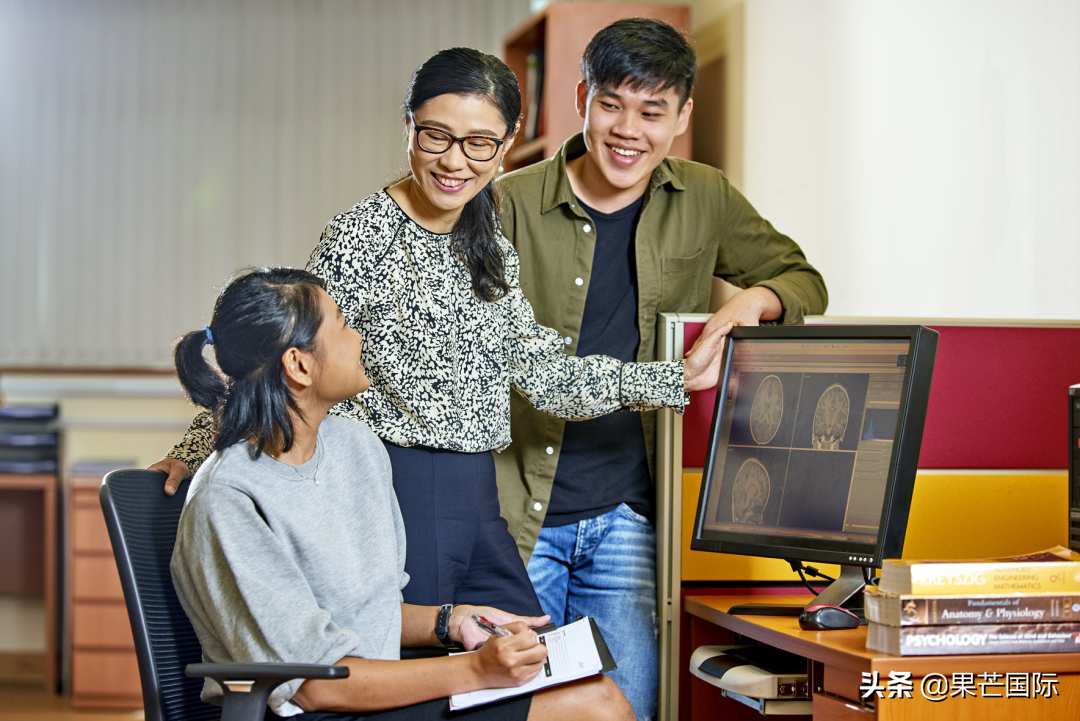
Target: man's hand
column 465, row 631
column 177, row 471
column 505, row 661
column 747, row 307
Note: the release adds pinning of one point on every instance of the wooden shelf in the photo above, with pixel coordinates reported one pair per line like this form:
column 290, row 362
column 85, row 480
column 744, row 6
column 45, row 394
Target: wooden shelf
column 526, row 152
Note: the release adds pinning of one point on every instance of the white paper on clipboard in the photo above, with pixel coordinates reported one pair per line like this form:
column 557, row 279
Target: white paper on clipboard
column 572, row 655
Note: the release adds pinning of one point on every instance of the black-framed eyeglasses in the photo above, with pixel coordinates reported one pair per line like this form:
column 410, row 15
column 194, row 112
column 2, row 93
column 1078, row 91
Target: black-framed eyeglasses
column 479, row 148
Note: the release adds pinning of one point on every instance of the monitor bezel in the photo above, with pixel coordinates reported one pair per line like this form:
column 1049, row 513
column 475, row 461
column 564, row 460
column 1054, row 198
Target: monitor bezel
column 903, row 463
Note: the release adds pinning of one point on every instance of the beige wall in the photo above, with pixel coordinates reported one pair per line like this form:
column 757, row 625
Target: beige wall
column 108, row 417
column 150, row 149
column 924, row 153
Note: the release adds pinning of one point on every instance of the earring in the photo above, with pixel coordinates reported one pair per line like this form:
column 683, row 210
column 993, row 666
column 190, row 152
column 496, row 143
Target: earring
column 500, row 167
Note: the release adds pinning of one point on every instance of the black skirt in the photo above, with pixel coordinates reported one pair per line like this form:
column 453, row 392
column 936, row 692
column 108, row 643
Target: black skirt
column 459, row 549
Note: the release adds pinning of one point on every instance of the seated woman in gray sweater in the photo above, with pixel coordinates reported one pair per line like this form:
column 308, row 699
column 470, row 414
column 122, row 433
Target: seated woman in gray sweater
column 291, row 546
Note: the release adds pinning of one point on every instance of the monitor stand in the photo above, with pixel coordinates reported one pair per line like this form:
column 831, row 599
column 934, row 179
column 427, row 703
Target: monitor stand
column 845, row 591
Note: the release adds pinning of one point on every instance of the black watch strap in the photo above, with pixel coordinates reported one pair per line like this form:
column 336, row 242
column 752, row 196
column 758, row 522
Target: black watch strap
column 442, row 625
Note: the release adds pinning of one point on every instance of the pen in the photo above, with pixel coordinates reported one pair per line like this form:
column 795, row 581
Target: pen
column 490, row 627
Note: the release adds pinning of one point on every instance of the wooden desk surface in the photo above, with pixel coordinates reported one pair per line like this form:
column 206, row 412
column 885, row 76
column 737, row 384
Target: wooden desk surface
column 28, row 481
column 846, row 649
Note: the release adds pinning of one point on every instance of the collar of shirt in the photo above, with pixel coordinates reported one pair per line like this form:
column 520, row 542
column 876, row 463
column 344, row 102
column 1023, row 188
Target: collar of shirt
column 557, row 190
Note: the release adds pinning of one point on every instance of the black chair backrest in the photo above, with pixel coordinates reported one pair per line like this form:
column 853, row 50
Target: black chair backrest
column 142, row 523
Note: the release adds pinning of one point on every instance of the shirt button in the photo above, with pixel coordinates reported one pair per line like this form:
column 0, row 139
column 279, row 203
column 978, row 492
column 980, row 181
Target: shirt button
column 587, row 228
column 549, row 450
column 567, row 340
column 537, row 506
column 579, row 281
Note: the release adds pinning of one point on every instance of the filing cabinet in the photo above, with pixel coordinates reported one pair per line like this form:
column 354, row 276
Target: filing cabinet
column 104, row 670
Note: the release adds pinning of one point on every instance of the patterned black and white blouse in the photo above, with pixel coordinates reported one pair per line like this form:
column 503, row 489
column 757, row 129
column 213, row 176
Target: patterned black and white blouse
column 441, row 361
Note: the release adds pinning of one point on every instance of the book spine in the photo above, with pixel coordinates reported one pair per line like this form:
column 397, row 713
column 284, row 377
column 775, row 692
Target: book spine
column 987, row 578
column 988, row 639
column 1074, row 467
column 533, row 110
column 971, row 610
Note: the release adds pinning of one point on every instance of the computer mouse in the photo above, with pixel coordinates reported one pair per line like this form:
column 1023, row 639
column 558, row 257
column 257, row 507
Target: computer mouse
column 823, row 617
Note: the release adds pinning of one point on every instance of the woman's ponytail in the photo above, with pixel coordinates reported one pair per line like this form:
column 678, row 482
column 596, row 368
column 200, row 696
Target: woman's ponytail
column 202, row 382
column 261, row 314
column 475, row 241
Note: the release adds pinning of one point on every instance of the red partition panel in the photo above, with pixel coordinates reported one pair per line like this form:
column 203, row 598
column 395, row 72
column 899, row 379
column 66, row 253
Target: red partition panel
column 697, row 418
column 998, row 399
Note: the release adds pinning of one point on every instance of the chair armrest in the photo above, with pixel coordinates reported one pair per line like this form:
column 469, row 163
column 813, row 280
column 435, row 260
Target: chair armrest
column 222, row 672
column 248, row 686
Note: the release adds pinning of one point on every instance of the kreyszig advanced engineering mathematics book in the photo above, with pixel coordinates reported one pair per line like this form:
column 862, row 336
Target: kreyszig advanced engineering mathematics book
column 1056, row 570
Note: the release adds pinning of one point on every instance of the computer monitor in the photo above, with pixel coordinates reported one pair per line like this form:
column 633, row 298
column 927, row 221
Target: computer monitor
column 814, row 445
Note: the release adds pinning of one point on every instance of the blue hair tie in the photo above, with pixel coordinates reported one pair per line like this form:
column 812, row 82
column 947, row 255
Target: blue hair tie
column 209, row 335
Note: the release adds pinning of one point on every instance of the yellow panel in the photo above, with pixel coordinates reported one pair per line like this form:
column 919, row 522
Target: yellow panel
column 953, row 515
column 986, row 515
column 704, row 566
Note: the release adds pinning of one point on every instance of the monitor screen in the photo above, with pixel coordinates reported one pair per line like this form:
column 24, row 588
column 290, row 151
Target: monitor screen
column 814, row 442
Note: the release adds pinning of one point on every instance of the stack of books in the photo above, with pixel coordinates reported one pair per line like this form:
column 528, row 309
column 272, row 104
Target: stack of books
column 1023, row 604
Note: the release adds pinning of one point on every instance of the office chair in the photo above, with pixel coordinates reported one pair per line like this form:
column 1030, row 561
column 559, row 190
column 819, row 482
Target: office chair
column 142, row 524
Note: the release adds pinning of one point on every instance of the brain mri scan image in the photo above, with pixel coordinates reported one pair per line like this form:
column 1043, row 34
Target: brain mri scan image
column 750, row 492
column 831, row 418
column 768, row 410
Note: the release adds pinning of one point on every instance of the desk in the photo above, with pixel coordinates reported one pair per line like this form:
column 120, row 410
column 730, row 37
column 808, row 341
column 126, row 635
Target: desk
column 839, row 658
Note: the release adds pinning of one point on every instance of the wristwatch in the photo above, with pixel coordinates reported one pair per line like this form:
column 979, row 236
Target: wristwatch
column 442, row 625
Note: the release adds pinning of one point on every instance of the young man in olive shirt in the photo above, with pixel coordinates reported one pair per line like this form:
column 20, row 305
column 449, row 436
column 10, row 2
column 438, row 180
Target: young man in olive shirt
column 611, row 232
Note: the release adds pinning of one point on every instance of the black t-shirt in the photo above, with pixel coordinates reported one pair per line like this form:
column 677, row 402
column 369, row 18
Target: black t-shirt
column 602, row 462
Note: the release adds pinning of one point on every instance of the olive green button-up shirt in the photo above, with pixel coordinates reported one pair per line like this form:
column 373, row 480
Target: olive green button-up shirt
column 694, row 224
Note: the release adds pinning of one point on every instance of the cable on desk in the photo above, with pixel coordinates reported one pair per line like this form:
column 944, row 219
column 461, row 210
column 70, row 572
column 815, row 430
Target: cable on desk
column 802, row 569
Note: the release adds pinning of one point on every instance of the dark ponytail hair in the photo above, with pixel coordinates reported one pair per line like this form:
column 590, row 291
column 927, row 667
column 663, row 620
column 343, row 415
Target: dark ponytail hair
column 465, row 71
column 262, row 313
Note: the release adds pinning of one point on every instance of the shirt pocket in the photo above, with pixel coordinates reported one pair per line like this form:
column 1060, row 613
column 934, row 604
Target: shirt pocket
column 680, row 281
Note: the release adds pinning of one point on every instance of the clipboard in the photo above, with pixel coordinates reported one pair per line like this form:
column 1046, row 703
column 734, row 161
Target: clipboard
column 606, row 658
column 591, row 661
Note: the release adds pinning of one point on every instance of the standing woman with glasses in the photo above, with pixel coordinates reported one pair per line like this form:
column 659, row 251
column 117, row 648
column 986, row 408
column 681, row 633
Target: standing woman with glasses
column 422, row 270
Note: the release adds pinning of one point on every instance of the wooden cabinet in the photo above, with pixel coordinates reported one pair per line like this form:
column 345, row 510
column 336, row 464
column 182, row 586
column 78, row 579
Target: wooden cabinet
column 556, row 37
column 104, row 671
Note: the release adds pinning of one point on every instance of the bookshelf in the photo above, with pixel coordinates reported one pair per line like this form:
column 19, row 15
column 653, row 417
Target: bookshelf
column 556, row 37
column 29, row 447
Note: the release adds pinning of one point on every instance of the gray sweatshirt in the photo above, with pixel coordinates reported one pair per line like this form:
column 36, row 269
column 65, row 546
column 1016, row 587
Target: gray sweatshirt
column 271, row 566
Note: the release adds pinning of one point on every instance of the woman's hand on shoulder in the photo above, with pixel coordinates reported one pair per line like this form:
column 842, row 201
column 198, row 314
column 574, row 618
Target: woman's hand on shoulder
column 506, row 661
column 176, row 469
